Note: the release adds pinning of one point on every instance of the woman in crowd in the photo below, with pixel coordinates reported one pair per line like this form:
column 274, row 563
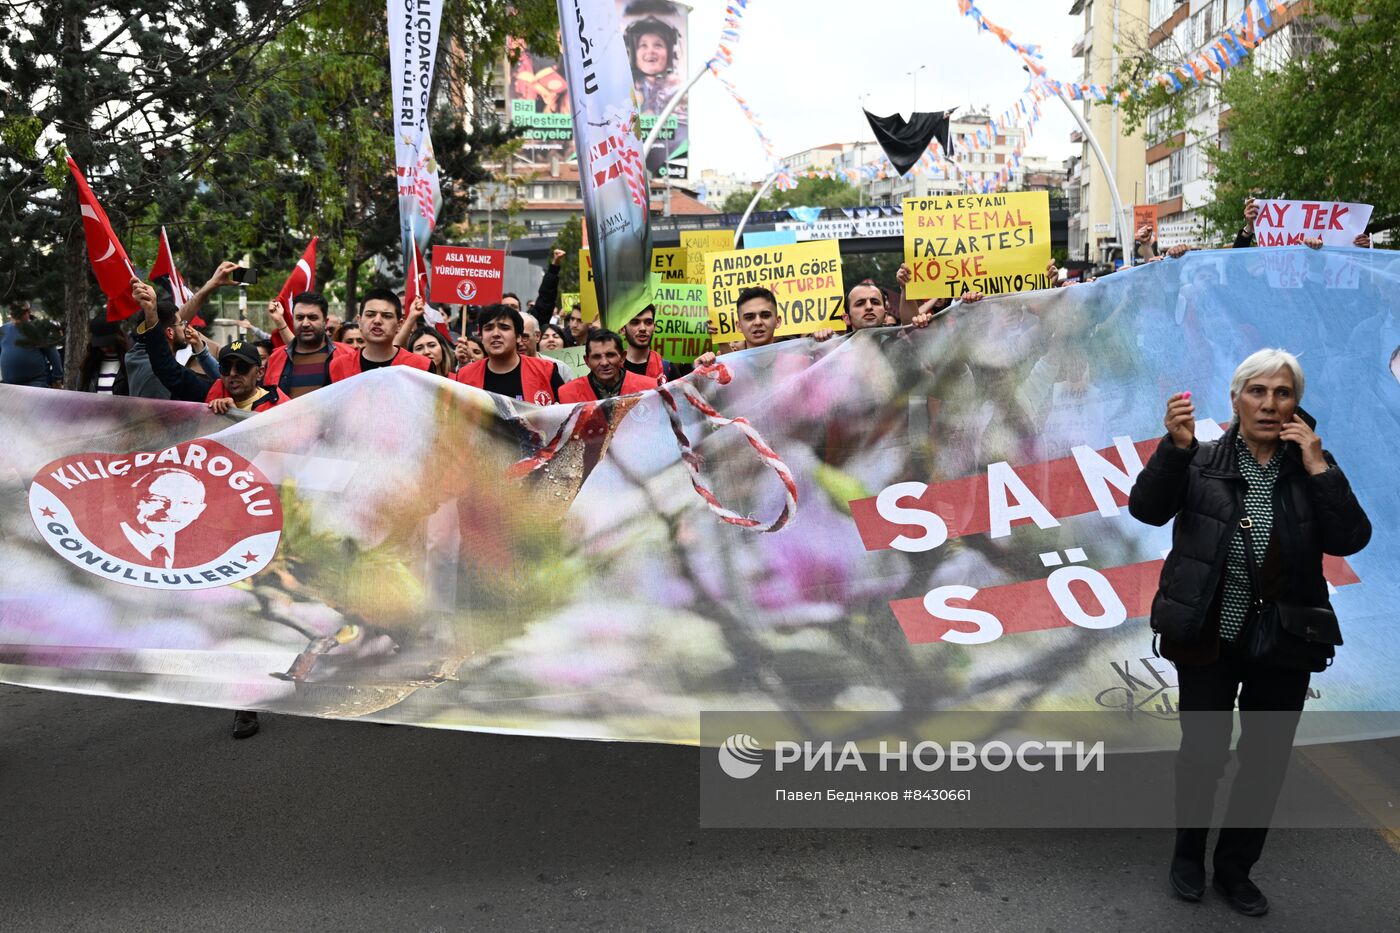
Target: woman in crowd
column 428, row 342
column 552, row 338
column 104, row 367
column 349, row 334
column 1242, row 607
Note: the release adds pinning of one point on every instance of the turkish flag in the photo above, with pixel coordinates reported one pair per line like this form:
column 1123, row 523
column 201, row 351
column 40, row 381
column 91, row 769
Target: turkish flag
column 110, row 263
column 165, row 265
column 415, row 284
column 302, row 279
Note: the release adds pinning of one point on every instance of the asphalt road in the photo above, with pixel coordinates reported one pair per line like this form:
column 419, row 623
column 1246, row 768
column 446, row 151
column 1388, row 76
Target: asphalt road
column 116, row 815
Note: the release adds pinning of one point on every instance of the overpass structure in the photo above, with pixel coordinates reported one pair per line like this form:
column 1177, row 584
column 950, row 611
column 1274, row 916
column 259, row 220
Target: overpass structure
column 859, row 230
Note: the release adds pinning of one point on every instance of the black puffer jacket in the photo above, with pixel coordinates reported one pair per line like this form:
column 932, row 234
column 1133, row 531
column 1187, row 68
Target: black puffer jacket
column 1201, row 487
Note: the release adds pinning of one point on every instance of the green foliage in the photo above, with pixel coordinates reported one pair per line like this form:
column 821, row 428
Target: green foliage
column 570, row 240
column 1338, row 133
column 812, row 192
column 737, row 202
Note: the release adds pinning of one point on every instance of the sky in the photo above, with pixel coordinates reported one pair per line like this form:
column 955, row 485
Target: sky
column 804, row 66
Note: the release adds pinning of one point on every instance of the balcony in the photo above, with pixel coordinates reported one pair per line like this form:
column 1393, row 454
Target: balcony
column 1082, row 44
column 1076, row 136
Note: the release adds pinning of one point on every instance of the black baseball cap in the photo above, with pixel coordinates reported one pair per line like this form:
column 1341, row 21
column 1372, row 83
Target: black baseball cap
column 244, row 350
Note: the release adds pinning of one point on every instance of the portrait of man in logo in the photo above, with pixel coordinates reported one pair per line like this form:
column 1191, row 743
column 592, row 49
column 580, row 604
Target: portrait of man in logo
column 192, row 516
column 165, row 503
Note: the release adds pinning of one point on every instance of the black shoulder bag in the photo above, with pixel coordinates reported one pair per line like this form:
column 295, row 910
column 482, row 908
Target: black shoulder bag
column 1286, row 635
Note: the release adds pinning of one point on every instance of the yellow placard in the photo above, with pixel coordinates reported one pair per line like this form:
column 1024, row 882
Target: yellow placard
column 805, row 278
column 697, row 243
column 991, row 243
column 669, row 263
column 588, row 295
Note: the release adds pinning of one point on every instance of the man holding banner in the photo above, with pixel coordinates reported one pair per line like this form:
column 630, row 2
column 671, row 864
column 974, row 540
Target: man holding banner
column 641, row 359
column 607, row 376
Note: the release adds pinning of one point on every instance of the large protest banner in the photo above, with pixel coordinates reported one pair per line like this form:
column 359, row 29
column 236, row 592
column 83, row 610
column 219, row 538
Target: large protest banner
column 990, row 243
column 682, row 321
column 804, row 277
column 953, row 535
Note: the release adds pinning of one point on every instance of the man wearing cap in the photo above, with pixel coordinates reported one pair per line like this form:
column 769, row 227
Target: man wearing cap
column 607, row 377
column 240, row 384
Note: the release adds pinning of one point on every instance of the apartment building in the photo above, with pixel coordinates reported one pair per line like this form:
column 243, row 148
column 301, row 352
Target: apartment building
column 1109, row 28
column 1178, row 165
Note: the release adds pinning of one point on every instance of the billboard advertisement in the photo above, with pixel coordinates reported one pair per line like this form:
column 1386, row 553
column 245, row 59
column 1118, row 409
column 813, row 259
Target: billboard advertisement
column 657, row 35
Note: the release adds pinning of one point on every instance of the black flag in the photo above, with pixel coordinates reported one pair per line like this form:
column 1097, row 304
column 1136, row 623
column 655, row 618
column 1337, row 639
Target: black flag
column 904, row 141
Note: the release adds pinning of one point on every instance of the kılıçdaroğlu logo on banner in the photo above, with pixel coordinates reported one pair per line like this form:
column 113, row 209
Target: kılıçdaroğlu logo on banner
column 190, row 517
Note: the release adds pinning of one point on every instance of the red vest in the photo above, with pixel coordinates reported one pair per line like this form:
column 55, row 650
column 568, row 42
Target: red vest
column 277, row 363
column 581, row 390
column 274, row 396
column 343, row 367
column 536, row 378
column 655, row 370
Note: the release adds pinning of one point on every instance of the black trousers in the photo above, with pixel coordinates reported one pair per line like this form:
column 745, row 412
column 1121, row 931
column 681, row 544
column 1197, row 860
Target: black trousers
column 1270, row 703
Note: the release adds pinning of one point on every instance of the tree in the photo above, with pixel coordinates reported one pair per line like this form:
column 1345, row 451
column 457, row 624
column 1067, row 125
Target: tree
column 809, row 192
column 139, row 93
column 242, row 127
column 1337, row 136
column 570, row 240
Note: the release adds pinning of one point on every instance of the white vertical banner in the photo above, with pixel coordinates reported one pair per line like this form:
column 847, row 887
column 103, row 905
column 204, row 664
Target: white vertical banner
column 413, row 37
column 607, row 130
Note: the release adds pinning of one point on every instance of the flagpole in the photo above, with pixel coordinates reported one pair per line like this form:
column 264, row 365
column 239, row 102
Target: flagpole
column 670, row 108
column 758, row 195
column 1125, row 236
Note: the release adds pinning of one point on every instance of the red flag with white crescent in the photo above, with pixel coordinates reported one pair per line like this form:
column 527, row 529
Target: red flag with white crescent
column 110, row 264
column 165, row 265
column 415, row 284
column 302, row 279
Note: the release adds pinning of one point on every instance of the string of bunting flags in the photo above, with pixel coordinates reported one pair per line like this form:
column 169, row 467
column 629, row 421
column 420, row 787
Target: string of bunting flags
column 722, row 59
column 1235, row 43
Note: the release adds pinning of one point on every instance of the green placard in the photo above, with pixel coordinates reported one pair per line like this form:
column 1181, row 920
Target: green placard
column 573, row 356
column 682, row 321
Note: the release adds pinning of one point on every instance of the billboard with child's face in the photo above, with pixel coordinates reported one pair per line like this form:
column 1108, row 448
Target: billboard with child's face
column 656, row 34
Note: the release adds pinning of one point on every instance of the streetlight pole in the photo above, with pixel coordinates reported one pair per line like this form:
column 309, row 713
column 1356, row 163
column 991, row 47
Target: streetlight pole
column 1125, row 236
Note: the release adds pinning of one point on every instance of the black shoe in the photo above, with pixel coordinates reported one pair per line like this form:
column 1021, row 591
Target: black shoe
column 1188, row 878
column 245, row 724
column 1242, row 895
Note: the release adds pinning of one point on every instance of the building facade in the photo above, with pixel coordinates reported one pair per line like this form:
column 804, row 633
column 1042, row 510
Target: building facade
column 1109, row 26
column 1178, row 164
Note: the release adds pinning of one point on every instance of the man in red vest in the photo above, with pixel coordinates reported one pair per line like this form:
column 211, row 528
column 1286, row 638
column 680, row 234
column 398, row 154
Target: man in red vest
column 641, row 358
column 505, row 371
column 607, row 378
column 241, row 383
column 304, row 365
column 380, row 315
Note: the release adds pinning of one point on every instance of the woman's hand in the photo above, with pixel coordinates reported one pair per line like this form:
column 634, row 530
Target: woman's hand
column 1299, row 433
column 1181, row 420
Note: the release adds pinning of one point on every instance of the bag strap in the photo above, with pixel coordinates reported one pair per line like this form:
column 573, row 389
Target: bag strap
column 1246, row 524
